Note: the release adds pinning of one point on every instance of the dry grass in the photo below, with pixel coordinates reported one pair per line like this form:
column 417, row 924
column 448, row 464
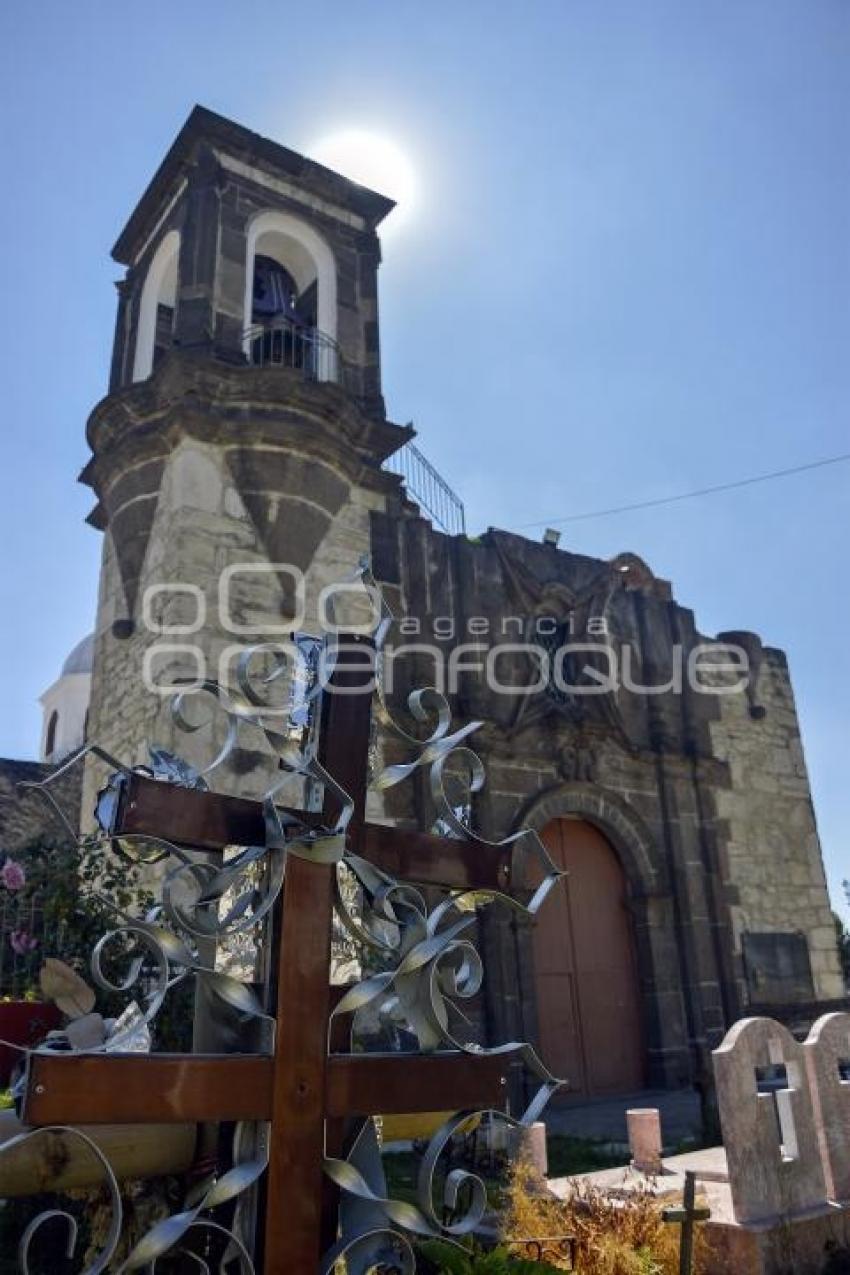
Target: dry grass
column 614, row 1237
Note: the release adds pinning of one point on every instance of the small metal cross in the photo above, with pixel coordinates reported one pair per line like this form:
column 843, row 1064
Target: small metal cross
column 687, row 1216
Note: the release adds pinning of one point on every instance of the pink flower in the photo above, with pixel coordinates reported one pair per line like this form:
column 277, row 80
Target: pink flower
column 12, row 875
column 22, row 942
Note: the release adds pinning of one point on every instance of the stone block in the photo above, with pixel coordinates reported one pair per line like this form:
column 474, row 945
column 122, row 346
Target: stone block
column 529, row 1144
column 644, row 1131
column 771, row 1141
column 827, row 1055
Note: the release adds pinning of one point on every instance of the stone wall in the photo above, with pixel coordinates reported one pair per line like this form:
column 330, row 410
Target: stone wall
column 24, row 817
column 772, row 847
column 661, row 774
column 288, row 476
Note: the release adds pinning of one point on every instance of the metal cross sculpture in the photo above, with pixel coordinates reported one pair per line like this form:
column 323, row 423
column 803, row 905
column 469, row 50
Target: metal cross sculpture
column 303, row 1186
column 687, row 1217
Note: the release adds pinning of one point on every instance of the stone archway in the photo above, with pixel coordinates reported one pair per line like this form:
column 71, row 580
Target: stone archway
column 613, row 816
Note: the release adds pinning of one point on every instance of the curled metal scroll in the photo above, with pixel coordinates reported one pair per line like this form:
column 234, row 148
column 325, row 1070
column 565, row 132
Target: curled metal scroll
column 249, row 1163
column 440, row 967
column 110, row 1244
column 434, row 751
column 369, row 1216
column 153, row 996
column 43, row 788
column 245, row 704
column 392, row 915
column 235, row 1248
column 434, row 965
column 167, row 950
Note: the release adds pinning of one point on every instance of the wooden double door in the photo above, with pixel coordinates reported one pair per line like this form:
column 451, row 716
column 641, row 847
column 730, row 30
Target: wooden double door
column 588, row 1002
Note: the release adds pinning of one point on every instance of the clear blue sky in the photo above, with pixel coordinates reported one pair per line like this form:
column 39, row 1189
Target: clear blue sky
column 627, row 275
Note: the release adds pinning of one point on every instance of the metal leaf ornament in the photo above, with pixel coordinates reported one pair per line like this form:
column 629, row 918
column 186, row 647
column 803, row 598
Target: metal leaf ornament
column 172, row 769
column 62, row 985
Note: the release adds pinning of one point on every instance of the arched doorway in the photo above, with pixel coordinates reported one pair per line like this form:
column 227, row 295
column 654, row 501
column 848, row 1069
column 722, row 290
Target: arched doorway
column 588, row 1003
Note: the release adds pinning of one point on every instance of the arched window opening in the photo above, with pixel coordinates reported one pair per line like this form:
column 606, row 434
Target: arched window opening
column 276, row 294
column 283, row 320
column 155, row 329
column 290, row 297
column 50, row 740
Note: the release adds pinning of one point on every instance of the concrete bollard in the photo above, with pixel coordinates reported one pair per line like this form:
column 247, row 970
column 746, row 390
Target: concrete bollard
column 530, row 1145
column 644, row 1126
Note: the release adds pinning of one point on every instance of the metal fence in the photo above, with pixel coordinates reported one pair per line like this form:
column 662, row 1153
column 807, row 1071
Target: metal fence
column 429, row 489
column 285, row 343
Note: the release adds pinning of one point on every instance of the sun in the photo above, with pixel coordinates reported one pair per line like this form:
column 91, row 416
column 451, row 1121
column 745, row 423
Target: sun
column 373, row 161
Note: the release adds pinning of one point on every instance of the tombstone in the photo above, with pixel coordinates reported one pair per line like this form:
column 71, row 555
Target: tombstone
column 827, row 1055
column 775, row 1167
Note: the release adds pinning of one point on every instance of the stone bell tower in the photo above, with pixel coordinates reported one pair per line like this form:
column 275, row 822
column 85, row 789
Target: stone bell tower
column 237, row 456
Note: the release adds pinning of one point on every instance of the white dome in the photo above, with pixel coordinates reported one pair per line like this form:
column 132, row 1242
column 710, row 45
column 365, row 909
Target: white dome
column 81, row 658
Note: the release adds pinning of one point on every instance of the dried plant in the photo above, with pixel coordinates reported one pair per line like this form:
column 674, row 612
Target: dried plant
column 614, row 1236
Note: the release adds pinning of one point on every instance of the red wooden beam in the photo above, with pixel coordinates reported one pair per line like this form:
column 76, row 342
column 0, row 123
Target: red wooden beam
column 295, row 1236
column 425, row 859
column 208, row 821
column 146, row 1088
column 186, row 1088
column 200, row 820
column 395, row 1084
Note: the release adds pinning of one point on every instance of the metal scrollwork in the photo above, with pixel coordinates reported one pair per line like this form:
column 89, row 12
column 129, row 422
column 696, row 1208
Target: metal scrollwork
column 435, row 965
column 110, row 1244
column 249, row 1163
column 431, row 964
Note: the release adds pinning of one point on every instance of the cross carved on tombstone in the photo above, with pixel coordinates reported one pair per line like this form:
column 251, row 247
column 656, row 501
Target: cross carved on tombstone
column 768, row 1125
column 309, row 1086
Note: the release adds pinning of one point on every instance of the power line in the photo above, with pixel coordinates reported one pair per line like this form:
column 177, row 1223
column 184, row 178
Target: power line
column 690, row 495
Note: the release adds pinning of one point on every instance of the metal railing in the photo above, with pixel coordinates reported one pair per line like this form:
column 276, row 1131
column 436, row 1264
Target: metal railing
column 285, row 343
column 429, row 489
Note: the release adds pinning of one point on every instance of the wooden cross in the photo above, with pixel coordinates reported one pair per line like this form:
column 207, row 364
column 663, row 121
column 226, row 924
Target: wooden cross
column 687, row 1217
column 304, row 1090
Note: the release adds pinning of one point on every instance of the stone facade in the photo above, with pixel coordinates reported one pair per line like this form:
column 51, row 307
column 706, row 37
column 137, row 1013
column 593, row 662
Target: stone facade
column 24, row 817
column 213, row 467
column 702, row 791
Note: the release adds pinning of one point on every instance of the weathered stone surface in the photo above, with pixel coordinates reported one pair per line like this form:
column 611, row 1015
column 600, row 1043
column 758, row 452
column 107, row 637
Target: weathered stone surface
column 775, row 1167
column 24, row 818
column 827, row 1054
column 644, row 1129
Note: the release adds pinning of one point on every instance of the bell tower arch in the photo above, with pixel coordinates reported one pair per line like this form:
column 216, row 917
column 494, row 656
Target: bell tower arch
column 304, row 254
column 237, row 458
column 155, row 325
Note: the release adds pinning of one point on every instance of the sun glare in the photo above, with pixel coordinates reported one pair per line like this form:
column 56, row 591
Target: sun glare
column 372, row 161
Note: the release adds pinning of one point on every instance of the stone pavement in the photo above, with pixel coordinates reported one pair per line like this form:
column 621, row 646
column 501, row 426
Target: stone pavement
column 605, row 1118
column 709, row 1164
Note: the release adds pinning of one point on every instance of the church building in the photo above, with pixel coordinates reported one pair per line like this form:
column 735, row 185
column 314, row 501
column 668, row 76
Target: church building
column 243, row 462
